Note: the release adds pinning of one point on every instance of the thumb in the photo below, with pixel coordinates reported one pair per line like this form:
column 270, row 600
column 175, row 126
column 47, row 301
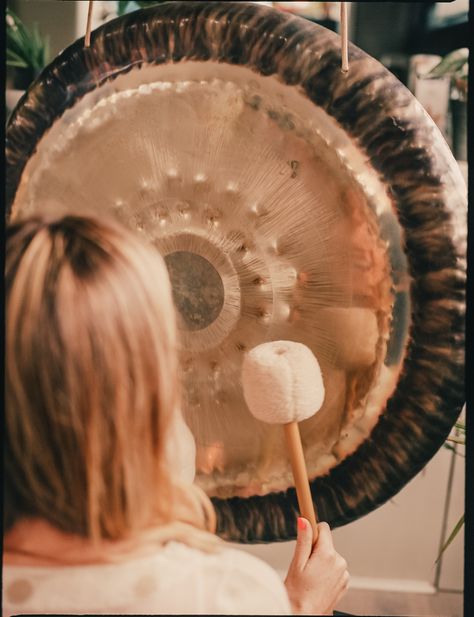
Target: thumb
column 304, row 544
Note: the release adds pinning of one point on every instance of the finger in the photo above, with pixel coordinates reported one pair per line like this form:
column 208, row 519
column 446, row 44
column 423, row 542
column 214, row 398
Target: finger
column 346, row 579
column 341, row 563
column 342, row 587
column 340, row 595
column 324, row 542
column 304, row 541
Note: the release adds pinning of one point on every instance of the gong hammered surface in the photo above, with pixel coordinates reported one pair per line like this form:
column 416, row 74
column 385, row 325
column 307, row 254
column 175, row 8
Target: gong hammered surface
column 267, row 235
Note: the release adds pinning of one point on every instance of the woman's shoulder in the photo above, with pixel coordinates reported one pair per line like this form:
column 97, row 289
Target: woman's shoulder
column 226, row 556
column 176, row 578
column 239, row 560
column 242, row 580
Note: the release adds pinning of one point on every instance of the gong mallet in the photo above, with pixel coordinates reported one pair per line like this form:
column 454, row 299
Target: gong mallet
column 282, row 384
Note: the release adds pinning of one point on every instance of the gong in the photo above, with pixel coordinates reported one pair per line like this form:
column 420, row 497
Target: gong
column 289, row 201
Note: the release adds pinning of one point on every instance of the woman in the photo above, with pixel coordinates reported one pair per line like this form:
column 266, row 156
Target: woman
column 100, row 512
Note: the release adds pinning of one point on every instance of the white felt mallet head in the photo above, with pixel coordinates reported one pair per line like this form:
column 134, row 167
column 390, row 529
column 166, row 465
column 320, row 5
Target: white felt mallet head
column 282, row 384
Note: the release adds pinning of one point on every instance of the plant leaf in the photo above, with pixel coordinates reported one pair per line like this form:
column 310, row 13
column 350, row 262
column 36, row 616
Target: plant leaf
column 449, row 447
column 17, row 64
column 146, row 3
column 12, row 55
column 27, row 48
column 452, row 535
column 462, row 442
column 122, row 7
column 450, row 64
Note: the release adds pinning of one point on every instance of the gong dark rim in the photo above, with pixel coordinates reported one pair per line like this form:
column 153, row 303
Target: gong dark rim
column 404, row 147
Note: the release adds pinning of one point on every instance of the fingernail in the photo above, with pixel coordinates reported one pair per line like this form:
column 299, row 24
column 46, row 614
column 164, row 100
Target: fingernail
column 301, row 524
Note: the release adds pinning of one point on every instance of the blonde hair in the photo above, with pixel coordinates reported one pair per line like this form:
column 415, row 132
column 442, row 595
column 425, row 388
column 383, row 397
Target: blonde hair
column 91, row 382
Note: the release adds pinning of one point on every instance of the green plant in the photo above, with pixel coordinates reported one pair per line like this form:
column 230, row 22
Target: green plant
column 458, row 435
column 123, row 5
column 454, row 65
column 451, row 537
column 25, row 49
column 458, row 438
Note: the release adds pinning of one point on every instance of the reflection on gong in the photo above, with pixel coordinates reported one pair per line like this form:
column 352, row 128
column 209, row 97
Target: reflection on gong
column 290, row 202
column 198, row 292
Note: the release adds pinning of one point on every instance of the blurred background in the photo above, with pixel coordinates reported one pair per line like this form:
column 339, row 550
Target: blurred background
column 395, row 553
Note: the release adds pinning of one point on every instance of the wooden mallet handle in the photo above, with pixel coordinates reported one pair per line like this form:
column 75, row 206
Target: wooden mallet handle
column 300, row 475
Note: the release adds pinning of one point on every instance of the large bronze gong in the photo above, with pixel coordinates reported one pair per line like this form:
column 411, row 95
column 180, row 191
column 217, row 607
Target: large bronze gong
column 290, row 201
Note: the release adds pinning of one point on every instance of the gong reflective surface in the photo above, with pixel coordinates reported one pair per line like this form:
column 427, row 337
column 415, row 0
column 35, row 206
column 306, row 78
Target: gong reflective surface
column 273, row 226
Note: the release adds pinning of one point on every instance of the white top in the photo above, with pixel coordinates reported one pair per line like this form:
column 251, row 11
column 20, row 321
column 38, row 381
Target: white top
column 176, row 579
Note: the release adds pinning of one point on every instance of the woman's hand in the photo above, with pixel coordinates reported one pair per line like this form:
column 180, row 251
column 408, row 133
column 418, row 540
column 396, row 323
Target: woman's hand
column 318, row 577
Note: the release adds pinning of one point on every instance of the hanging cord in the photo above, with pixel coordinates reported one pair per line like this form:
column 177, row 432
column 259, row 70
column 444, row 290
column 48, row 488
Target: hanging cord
column 87, row 38
column 344, row 51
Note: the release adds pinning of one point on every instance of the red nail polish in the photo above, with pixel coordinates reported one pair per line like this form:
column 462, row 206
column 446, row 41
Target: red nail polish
column 301, row 524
